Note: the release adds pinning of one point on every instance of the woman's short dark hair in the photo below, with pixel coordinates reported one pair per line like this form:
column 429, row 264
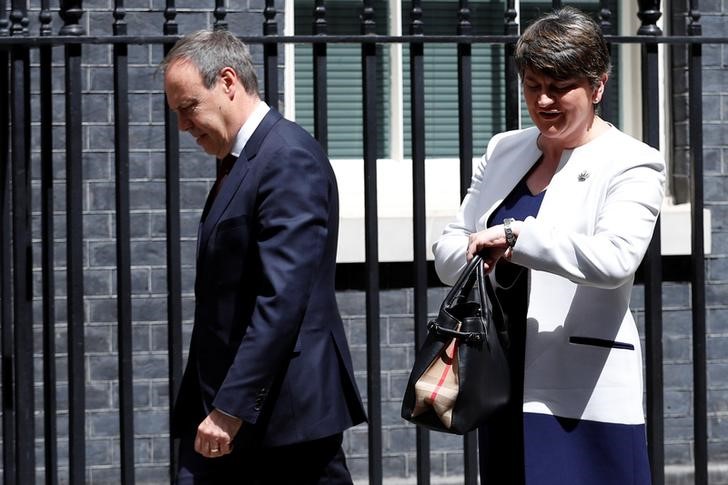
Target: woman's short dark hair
column 563, row 44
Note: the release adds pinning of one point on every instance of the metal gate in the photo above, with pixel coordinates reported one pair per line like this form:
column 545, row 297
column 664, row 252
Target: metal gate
column 29, row 112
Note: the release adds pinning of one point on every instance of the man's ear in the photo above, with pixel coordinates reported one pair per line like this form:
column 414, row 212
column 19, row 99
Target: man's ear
column 229, row 78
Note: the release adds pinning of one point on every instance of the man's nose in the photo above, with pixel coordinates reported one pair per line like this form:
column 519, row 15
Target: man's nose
column 183, row 122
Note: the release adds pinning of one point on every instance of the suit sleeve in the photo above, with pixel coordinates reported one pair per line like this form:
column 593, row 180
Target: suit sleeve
column 609, row 256
column 292, row 215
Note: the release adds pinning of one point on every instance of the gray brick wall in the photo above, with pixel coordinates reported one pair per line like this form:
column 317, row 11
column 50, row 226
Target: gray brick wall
column 678, row 335
column 397, row 335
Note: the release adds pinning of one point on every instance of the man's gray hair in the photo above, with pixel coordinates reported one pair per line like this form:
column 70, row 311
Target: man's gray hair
column 211, row 51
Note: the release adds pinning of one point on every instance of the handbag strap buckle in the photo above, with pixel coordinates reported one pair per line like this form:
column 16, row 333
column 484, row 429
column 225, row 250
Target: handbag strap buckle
column 472, row 338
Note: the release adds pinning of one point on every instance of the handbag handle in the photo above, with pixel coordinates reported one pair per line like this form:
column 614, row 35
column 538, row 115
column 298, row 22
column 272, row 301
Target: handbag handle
column 463, row 285
column 460, row 289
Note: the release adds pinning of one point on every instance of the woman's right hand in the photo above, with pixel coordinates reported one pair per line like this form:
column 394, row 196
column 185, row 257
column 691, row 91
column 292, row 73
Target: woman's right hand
column 490, row 244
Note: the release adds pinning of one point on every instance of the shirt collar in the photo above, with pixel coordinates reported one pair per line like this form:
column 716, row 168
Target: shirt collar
column 248, row 128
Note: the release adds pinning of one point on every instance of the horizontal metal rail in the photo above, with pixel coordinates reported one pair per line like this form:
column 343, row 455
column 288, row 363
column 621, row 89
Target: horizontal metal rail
column 59, row 40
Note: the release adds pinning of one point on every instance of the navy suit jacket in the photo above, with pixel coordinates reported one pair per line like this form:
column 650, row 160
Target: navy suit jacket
column 268, row 344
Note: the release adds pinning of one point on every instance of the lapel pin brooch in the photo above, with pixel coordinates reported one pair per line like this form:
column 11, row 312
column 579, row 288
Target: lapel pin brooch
column 583, row 176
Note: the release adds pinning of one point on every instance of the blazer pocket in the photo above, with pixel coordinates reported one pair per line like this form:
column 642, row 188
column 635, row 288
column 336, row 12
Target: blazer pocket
column 232, row 223
column 601, row 342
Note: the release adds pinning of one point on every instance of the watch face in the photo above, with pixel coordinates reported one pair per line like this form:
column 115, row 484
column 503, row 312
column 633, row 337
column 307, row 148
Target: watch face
column 510, row 238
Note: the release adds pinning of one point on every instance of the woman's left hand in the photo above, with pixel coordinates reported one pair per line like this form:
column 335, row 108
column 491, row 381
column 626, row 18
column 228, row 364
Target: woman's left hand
column 490, row 244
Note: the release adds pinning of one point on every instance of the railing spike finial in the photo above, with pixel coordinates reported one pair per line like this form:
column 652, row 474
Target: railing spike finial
column 694, row 26
column 464, row 25
column 170, row 19
column 45, row 18
column 220, row 13
column 605, row 18
column 19, row 19
column 270, row 26
column 649, row 13
column 4, row 21
column 367, row 18
column 320, row 27
column 416, row 24
column 511, row 26
column 119, row 18
column 71, row 13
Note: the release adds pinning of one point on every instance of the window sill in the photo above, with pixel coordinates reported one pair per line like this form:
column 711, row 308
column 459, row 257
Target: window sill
column 442, row 195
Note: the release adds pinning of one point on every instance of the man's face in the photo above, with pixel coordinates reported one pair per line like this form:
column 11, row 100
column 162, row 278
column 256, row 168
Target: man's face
column 202, row 112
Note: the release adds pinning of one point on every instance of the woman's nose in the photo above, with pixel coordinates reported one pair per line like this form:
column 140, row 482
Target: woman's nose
column 544, row 99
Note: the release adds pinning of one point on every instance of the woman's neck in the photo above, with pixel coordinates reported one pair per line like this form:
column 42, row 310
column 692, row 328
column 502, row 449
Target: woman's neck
column 553, row 148
column 545, row 168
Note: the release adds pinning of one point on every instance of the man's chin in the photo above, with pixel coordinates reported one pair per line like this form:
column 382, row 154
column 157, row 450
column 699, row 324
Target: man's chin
column 207, row 148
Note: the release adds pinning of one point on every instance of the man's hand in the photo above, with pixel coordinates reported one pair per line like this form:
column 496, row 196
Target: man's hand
column 215, row 434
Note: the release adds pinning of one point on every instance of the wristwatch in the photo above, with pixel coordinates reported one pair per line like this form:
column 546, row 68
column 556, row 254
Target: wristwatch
column 510, row 237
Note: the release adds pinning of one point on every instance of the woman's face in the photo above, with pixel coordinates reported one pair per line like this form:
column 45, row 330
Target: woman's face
column 562, row 109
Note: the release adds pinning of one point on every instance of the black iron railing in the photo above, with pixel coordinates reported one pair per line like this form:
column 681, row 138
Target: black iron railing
column 17, row 205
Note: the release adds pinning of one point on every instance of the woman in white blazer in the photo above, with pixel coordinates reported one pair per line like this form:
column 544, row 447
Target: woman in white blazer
column 562, row 214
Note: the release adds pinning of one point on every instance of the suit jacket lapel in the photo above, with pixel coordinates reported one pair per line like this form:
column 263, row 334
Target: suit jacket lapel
column 215, row 206
column 522, row 153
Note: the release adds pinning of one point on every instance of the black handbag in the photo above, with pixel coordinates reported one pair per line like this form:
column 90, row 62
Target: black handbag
column 465, row 344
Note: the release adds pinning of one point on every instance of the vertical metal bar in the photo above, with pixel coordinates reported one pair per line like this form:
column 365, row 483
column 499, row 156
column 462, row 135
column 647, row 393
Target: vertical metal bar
column 8, row 397
column 174, row 270
column 71, row 12
column 511, row 71
column 697, row 257
column 320, row 92
column 419, row 221
column 371, row 228
column 219, row 14
column 465, row 131
column 123, row 249
column 270, row 55
column 605, row 23
column 465, row 99
column 47, row 247
column 649, row 14
column 555, row 4
column 21, row 250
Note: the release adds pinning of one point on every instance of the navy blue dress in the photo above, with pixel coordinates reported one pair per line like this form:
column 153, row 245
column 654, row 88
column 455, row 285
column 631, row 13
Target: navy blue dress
column 518, row 448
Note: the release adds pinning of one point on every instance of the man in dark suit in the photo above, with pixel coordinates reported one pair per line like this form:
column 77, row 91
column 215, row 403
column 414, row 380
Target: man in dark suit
column 269, row 386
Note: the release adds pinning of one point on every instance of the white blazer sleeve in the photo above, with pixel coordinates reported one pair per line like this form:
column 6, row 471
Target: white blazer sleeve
column 450, row 248
column 495, row 171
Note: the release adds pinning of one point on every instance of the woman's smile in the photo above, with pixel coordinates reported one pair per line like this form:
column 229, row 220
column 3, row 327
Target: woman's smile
column 550, row 115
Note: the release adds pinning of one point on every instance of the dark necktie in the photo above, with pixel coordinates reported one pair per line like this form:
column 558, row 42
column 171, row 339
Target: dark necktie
column 226, row 164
